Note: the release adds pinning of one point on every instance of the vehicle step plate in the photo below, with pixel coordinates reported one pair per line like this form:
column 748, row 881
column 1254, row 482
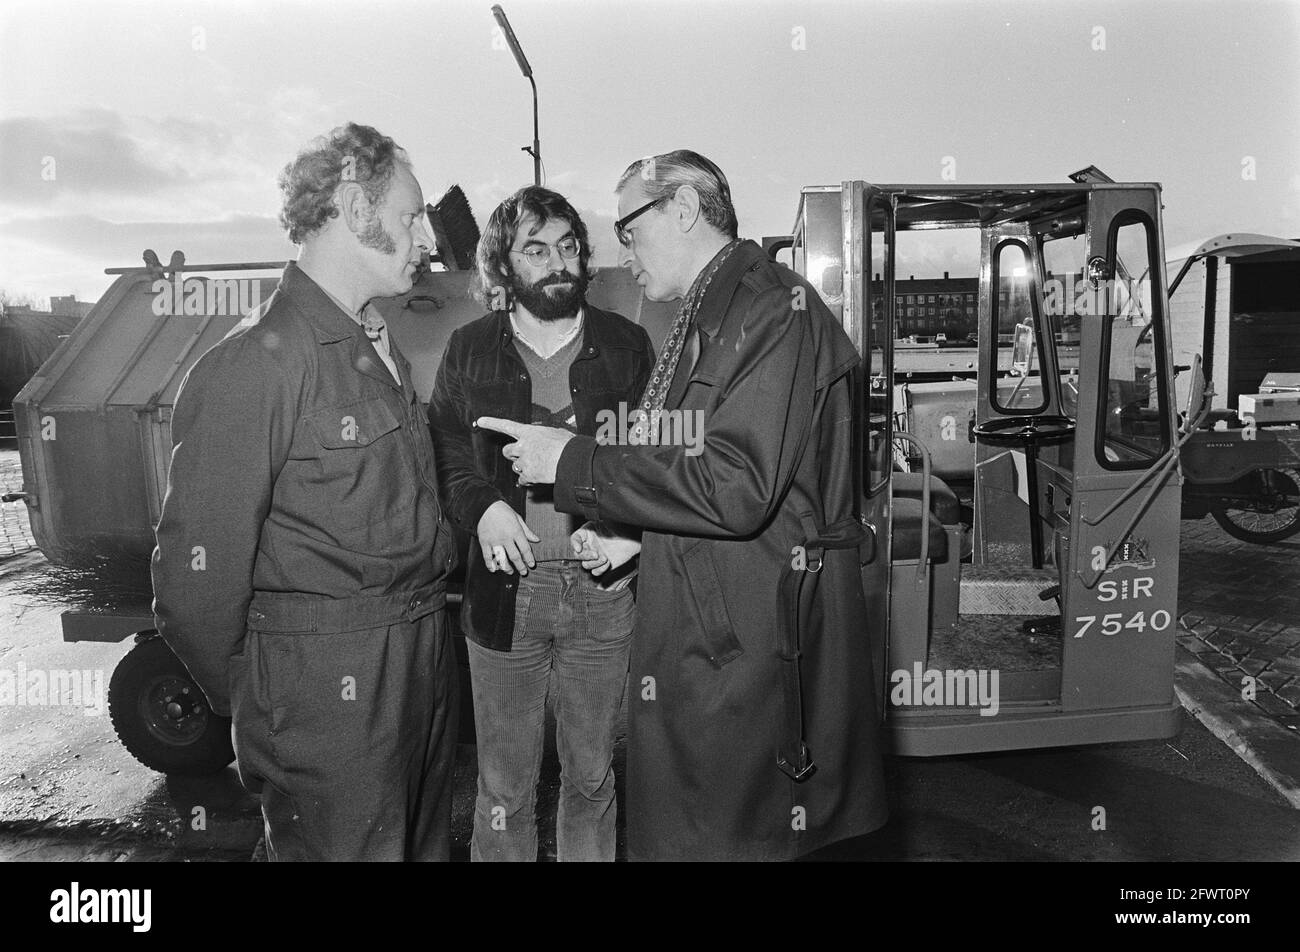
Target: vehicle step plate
column 1005, row 590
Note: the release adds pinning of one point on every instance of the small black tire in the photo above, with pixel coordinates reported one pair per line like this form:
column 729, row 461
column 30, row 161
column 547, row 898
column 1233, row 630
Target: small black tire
column 1245, row 524
column 162, row 718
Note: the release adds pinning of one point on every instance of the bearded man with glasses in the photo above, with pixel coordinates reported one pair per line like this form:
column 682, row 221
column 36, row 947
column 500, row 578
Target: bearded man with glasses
column 536, row 611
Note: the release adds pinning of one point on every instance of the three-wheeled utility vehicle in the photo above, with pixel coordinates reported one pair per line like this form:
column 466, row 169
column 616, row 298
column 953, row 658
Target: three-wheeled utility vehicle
column 1025, row 499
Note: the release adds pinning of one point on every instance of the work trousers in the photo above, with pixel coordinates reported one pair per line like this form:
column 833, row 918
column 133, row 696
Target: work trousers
column 573, row 637
column 348, row 732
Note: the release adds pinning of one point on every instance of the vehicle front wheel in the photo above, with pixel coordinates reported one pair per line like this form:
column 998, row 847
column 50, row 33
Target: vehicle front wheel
column 1271, row 515
column 162, row 717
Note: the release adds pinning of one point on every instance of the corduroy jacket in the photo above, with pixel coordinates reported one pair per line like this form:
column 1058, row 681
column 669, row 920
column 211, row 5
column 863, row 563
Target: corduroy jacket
column 482, row 374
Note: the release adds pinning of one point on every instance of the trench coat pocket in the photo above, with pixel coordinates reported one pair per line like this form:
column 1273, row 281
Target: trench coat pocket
column 701, row 388
column 717, row 635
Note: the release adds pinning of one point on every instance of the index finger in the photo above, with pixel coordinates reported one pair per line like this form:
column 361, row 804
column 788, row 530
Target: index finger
column 508, row 427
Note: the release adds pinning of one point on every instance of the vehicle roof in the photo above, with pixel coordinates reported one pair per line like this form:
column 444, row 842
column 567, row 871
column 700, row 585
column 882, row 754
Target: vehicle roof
column 950, row 206
column 1233, row 245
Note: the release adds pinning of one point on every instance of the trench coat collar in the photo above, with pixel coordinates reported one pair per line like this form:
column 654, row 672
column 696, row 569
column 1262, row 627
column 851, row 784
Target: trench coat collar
column 836, row 354
column 713, row 308
column 708, row 319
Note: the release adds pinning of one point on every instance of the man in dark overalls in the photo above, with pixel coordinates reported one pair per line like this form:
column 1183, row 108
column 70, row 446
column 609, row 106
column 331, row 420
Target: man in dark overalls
column 302, row 553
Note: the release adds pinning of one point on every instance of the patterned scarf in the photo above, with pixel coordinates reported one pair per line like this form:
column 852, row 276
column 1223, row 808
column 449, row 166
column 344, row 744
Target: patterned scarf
column 646, row 428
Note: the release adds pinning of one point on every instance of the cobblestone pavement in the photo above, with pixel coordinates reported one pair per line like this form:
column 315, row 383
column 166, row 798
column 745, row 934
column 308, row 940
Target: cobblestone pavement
column 15, row 533
column 1239, row 604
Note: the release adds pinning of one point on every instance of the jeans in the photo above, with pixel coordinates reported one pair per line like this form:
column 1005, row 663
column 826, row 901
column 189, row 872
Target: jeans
column 570, row 633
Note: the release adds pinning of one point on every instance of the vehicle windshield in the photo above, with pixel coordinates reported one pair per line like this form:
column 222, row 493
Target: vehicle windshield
column 1017, row 320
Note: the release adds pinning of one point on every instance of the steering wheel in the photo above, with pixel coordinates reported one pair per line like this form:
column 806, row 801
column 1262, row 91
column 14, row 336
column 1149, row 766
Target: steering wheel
column 1029, row 430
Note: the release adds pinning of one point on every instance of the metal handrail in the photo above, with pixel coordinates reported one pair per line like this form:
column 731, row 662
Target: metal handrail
column 244, row 266
column 922, row 568
column 1163, row 467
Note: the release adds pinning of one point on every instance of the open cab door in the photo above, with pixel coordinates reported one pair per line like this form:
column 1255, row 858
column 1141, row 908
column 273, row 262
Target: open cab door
column 1025, row 489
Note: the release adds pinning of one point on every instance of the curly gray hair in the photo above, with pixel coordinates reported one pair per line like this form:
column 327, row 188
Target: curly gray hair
column 351, row 153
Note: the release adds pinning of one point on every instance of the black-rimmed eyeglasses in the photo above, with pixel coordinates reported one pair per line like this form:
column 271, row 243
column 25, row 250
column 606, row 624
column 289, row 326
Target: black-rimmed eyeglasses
column 620, row 226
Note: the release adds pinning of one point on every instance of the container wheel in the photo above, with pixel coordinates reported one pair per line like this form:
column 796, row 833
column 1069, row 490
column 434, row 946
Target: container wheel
column 162, row 717
column 1271, row 515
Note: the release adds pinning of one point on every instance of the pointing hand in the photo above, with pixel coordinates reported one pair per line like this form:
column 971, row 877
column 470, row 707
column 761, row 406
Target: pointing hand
column 536, row 450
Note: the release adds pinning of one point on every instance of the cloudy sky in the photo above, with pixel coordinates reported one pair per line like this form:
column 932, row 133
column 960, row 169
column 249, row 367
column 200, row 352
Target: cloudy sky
column 163, row 124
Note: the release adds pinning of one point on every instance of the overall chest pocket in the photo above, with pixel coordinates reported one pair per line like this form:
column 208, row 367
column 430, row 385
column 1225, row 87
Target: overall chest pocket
column 353, row 425
column 361, row 474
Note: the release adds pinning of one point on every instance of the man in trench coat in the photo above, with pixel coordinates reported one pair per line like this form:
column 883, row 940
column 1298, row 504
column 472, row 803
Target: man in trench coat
column 302, row 553
column 753, row 725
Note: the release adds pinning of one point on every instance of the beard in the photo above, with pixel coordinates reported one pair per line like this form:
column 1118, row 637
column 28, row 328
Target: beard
column 549, row 299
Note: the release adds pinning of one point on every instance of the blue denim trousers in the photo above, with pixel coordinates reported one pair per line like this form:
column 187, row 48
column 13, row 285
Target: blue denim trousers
column 571, row 637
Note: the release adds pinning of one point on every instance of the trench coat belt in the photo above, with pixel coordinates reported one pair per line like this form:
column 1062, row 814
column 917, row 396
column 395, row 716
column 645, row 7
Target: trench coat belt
column 293, row 613
column 798, row 593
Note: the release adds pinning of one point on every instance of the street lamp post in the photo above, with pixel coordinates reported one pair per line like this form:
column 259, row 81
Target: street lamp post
column 536, row 150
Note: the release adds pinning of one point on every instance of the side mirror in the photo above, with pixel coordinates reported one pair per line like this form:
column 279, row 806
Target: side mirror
column 1022, row 349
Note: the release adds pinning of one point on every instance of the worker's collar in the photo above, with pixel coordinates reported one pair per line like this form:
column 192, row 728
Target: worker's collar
column 329, row 318
column 358, row 317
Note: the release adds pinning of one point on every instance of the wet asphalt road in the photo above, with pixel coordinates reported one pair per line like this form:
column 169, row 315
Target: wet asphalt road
column 69, row 791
